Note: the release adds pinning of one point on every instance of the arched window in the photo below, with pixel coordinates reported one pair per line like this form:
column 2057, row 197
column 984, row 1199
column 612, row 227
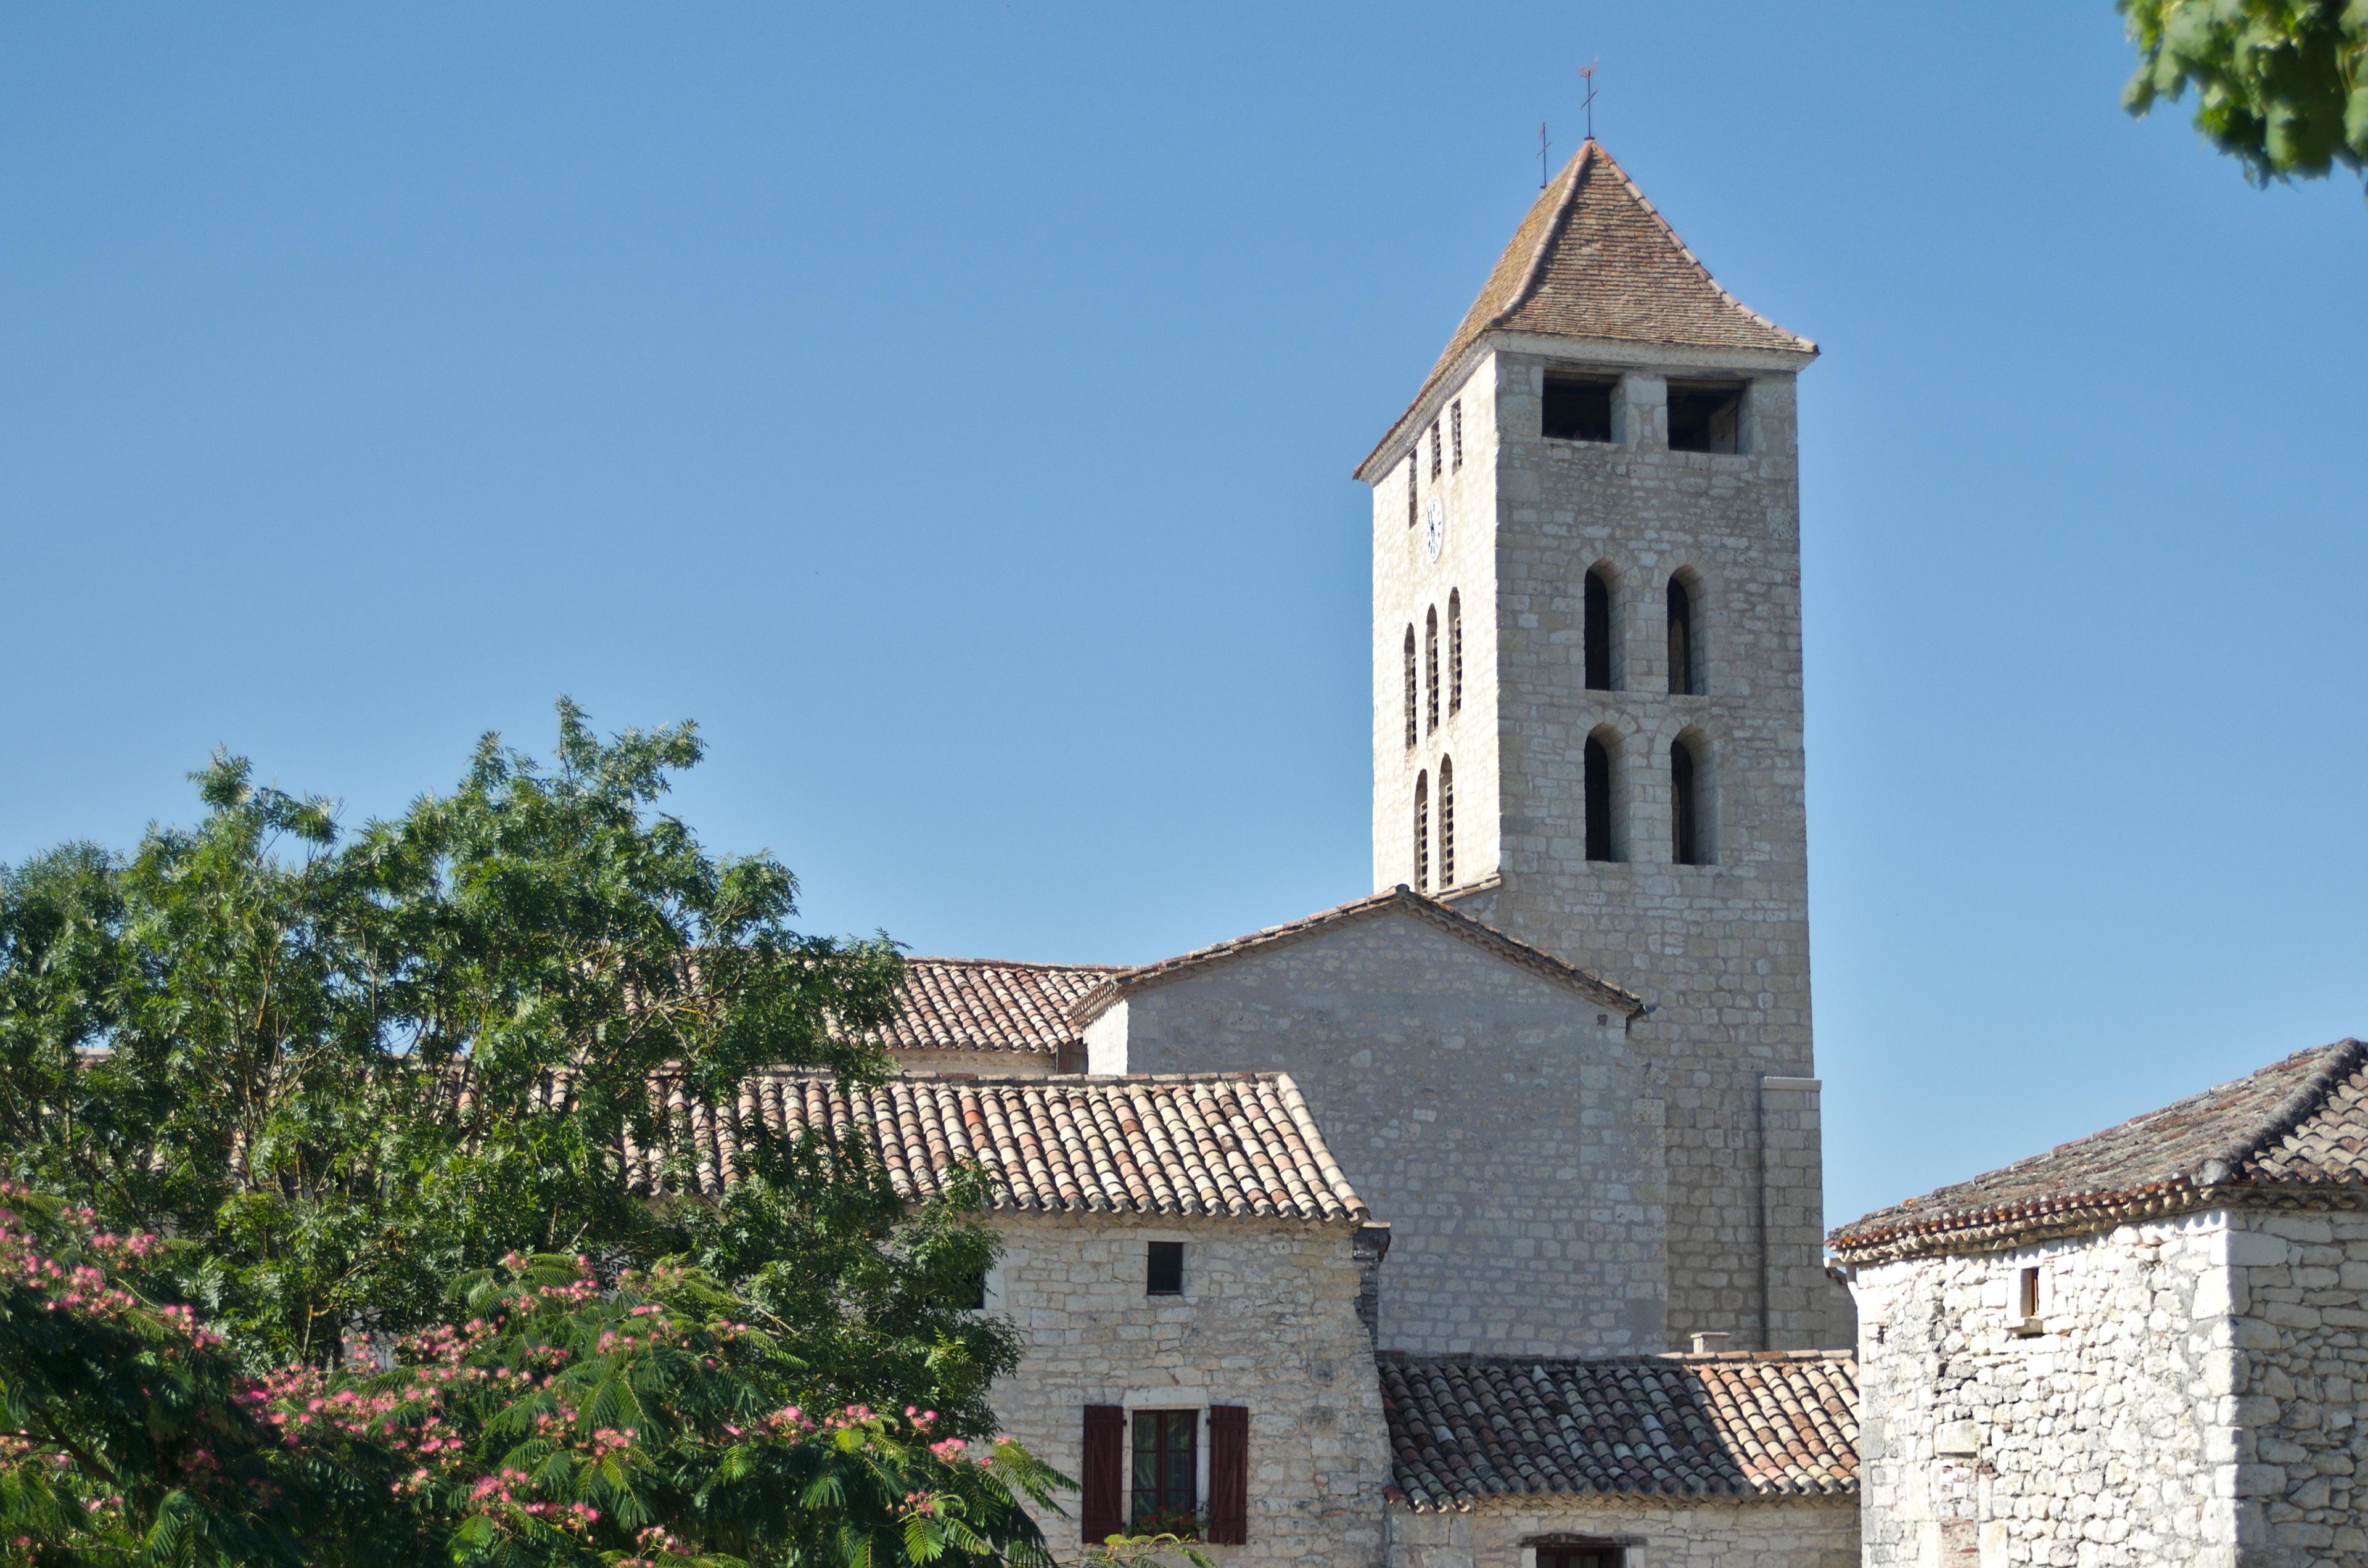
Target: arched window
column 1411, row 734
column 1422, row 833
column 1414, row 489
column 1597, row 630
column 1446, row 822
column 1430, row 669
column 1685, row 821
column 1684, row 658
column 1454, row 660
column 1602, row 787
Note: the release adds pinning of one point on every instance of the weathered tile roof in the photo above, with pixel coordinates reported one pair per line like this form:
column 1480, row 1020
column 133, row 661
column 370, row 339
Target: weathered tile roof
column 1398, row 900
column 1232, row 1144
column 1593, row 258
column 1747, row 1424
column 989, row 1005
column 2294, row 1132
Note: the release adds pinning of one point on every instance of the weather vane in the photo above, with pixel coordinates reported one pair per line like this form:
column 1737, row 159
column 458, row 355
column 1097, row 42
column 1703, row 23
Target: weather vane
column 1587, row 74
column 1543, row 145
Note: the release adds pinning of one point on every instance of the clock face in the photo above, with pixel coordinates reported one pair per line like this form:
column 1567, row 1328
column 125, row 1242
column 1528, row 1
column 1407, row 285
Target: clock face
column 1434, row 528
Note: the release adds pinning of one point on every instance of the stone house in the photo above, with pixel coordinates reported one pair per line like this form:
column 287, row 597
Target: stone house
column 2149, row 1345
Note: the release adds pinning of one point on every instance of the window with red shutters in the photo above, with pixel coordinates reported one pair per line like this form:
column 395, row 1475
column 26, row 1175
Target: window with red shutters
column 1229, row 1475
column 1102, row 1509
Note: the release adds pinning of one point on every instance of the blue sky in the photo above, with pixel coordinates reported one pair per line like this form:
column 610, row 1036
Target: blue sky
column 951, row 408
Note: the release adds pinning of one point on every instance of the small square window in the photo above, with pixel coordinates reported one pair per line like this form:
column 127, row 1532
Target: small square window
column 1163, row 1273
column 975, row 1295
column 1578, row 408
column 1705, row 417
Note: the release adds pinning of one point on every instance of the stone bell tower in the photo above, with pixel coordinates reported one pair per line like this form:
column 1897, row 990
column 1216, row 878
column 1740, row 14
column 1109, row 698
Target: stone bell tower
column 1587, row 699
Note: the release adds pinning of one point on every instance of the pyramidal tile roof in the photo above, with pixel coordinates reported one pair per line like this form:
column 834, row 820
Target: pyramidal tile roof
column 1400, row 899
column 1594, row 259
column 1222, row 1144
column 1466, row 1430
column 2293, row 1133
column 989, row 1005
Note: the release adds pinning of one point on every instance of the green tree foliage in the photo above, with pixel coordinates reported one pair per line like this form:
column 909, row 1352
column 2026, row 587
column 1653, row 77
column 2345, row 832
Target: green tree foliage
column 343, row 1072
column 2281, row 84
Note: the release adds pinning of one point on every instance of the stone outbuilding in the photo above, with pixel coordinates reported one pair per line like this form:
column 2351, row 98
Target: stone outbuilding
column 1735, row 1458
column 2149, row 1345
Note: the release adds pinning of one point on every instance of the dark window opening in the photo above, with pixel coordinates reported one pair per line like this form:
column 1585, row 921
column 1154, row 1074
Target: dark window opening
column 1705, row 418
column 1165, row 1481
column 1163, row 1272
column 1597, row 630
column 1413, row 488
column 1685, row 821
column 1579, row 1557
column 1683, row 681
column 974, row 1292
column 1434, row 454
column 1599, row 801
column 1412, row 735
column 2030, row 1293
column 1578, row 408
column 1456, row 425
column 1446, row 822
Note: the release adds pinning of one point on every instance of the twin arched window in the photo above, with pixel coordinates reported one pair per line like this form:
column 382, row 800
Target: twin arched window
column 1446, row 826
column 1691, row 815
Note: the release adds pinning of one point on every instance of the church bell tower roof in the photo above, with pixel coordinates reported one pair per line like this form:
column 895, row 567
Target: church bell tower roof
column 1593, row 260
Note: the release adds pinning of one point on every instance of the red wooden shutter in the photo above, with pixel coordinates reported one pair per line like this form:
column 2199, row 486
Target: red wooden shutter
column 1103, row 1509
column 1229, row 1475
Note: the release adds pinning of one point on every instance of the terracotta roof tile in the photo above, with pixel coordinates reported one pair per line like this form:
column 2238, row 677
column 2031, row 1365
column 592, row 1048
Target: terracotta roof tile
column 2294, row 1130
column 1594, row 259
column 989, row 1005
column 1400, row 899
column 1235, row 1145
column 1762, row 1424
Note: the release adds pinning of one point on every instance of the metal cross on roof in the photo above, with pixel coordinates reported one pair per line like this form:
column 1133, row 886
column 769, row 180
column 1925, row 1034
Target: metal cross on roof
column 1587, row 74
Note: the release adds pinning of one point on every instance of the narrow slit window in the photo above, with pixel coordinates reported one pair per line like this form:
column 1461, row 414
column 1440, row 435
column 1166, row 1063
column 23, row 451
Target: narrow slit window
column 1705, row 417
column 2029, row 1294
column 1684, row 659
column 1598, row 800
column 1578, row 408
column 1431, row 670
column 1434, row 454
column 1414, row 497
column 1446, row 822
column 1455, row 652
column 1422, row 833
column 1455, row 428
column 1685, row 807
column 1410, row 694
column 1595, row 632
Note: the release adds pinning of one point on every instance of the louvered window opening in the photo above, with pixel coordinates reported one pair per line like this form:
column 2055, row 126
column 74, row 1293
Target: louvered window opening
column 1431, row 670
column 1455, row 428
column 1413, row 734
column 1414, row 497
column 1446, row 822
column 1455, row 652
column 1434, row 454
column 1422, row 833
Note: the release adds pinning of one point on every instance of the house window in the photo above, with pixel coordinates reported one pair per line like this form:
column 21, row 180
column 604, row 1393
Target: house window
column 1578, row 408
column 1455, row 428
column 1163, row 1269
column 1455, row 652
column 2027, row 1324
column 1166, row 1459
column 1579, row 1557
column 1705, row 417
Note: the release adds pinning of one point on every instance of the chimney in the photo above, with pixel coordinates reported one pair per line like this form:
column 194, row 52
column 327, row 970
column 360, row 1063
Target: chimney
column 1711, row 1344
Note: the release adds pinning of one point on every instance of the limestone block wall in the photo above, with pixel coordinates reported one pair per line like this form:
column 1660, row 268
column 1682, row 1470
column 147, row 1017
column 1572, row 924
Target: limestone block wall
column 1709, row 1533
column 2106, row 1439
column 2299, row 1299
column 1502, row 1122
column 1268, row 1320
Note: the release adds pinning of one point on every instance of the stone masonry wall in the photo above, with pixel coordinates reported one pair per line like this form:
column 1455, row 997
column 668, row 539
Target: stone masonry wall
column 2105, row 1440
column 2300, row 1304
column 1710, row 1532
column 1268, row 1320
column 1498, row 1119
column 1720, row 950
